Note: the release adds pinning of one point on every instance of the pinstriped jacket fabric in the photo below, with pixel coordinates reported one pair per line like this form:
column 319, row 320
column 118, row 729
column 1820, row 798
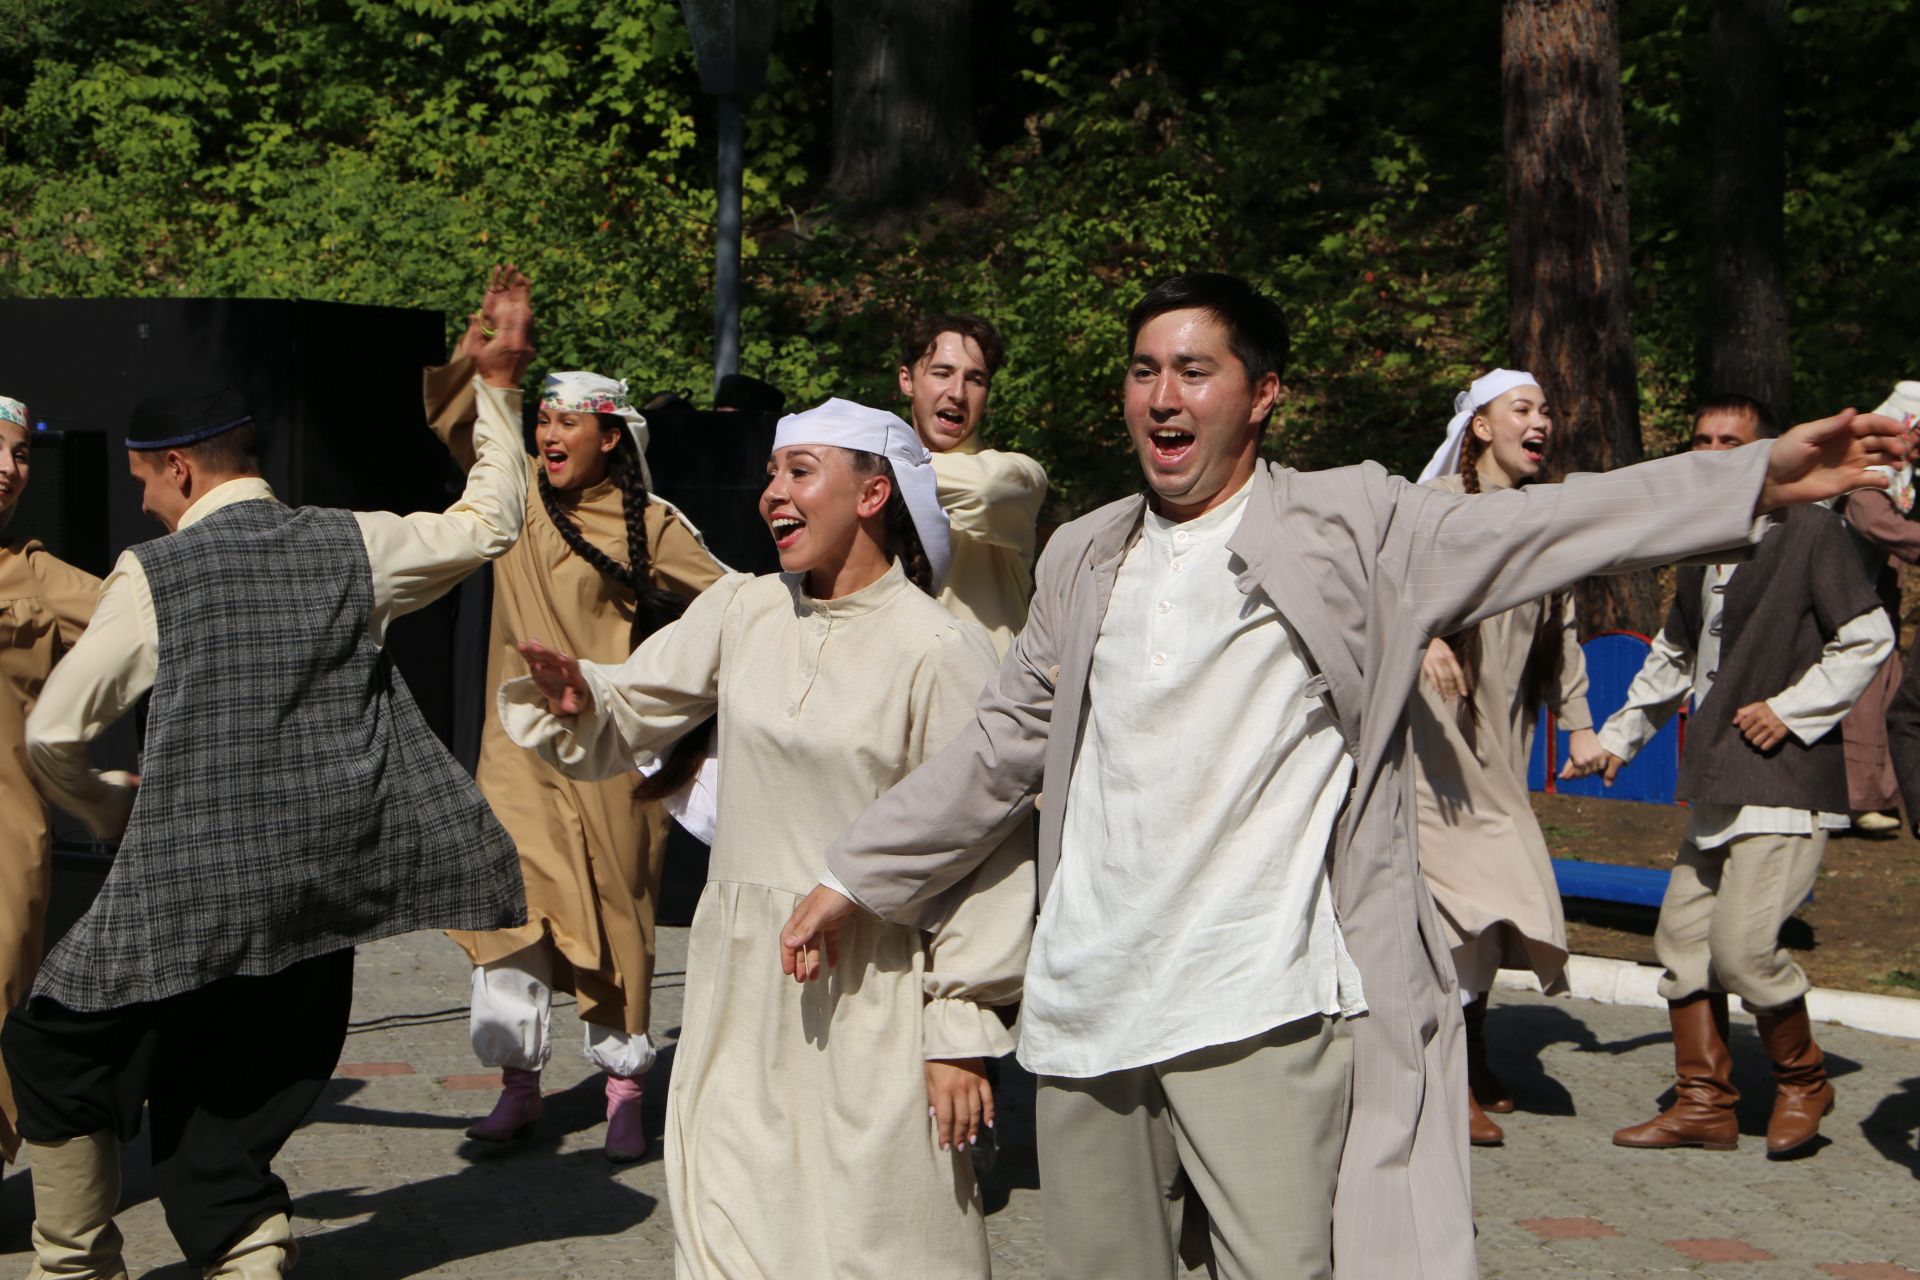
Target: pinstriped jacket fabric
column 293, row 801
column 1365, row 567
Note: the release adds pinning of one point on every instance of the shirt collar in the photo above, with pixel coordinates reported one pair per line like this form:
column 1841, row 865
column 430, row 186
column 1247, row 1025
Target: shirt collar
column 225, row 494
column 1217, row 523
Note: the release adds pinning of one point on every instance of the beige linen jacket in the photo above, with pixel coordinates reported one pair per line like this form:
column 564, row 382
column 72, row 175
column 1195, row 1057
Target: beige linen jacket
column 1365, row 568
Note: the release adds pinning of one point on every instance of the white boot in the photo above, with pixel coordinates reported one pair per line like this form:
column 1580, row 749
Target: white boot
column 76, row 1188
column 265, row 1253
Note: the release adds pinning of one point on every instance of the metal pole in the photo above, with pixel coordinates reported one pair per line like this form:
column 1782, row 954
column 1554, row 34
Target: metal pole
column 726, row 272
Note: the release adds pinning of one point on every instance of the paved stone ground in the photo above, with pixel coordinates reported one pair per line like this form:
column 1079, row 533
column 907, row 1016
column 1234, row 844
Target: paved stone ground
column 387, row 1188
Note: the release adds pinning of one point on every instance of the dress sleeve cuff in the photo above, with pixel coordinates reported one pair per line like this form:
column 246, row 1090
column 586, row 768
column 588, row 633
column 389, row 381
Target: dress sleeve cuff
column 1575, row 715
column 952, row 1028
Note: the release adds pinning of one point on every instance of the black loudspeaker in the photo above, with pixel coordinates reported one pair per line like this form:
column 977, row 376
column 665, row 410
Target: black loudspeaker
column 66, row 475
column 713, row 465
column 334, row 388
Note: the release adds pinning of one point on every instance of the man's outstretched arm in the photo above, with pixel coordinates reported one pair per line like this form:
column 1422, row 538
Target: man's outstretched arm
column 936, row 824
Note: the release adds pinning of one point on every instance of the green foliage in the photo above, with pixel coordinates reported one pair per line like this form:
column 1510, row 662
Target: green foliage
column 387, row 151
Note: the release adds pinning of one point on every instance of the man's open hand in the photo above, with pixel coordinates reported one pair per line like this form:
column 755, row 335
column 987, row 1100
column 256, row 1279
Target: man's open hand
column 813, row 926
column 499, row 337
column 1824, row 459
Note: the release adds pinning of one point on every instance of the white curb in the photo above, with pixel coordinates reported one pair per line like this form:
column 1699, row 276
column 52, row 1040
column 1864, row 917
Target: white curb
column 1624, row 982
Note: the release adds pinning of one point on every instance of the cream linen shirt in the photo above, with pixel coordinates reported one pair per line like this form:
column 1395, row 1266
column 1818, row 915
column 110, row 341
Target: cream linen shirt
column 1809, row 707
column 992, row 500
column 1192, row 905
column 416, row 559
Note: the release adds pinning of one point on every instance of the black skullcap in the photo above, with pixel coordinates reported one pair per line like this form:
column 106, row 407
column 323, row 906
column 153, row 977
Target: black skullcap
column 738, row 391
column 176, row 419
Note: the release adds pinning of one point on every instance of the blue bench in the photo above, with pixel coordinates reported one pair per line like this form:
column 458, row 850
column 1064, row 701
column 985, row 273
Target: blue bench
column 1613, row 659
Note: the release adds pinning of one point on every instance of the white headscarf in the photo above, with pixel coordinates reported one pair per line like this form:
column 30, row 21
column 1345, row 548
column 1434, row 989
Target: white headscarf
column 847, row 425
column 578, row 391
column 1485, row 390
column 1902, row 406
column 13, row 411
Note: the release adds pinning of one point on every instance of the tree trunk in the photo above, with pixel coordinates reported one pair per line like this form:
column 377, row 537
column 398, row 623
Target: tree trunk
column 902, row 102
column 1567, row 269
column 1747, row 347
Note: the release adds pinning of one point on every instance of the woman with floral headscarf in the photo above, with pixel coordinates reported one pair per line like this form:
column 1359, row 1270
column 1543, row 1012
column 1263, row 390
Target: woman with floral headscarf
column 603, row 563
column 44, row 606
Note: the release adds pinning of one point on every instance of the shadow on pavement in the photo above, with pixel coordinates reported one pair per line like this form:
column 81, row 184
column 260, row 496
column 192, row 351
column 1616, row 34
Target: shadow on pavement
column 1516, row 1037
column 1890, row 1126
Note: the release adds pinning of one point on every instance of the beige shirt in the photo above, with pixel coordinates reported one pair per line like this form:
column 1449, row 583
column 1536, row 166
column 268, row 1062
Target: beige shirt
column 992, row 499
column 1198, row 692
column 415, row 559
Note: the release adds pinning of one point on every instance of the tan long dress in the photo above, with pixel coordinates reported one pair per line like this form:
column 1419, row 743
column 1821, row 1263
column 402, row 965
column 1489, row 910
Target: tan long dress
column 44, row 606
column 798, row 1142
column 589, row 852
column 1481, row 850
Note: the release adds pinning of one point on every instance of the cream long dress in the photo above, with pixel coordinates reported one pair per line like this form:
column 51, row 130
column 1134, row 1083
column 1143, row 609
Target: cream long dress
column 590, row 853
column 1481, row 850
column 44, row 606
column 798, row 1145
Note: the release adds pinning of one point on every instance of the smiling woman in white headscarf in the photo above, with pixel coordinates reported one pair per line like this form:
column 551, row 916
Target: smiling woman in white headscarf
column 602, row 564
column 816, row 1132
column 45, row 604
column 1481, row 850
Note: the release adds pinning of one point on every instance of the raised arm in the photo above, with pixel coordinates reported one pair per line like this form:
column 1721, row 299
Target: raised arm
column 418, row 558
column 448, row 390
column 991, row 496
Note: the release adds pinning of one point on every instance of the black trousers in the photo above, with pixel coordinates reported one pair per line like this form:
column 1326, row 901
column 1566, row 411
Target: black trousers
column 227, row 1073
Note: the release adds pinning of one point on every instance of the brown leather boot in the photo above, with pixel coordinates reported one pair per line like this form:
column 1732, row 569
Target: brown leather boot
column 1484, row 1085
column 1803, row 1095
column 1482, row 1131
column 1702, row 1110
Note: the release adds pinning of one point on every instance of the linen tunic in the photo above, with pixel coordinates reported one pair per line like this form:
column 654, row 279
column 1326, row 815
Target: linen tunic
column 589, row 852
column 1481, row 850
column 798, row 1145
column 992, row 499
column 44, row 606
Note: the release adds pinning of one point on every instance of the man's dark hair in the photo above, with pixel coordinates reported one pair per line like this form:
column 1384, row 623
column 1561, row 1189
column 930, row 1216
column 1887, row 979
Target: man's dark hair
column 231, row 453
column 1766, row 425
column 924, row 332
column 1256, row 331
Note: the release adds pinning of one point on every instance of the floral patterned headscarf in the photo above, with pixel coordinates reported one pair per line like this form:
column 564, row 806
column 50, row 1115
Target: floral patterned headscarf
column 578, row 391
column 13, row 411
column 1902, row 406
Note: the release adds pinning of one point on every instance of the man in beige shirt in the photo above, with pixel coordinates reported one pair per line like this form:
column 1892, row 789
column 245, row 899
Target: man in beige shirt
column 992, row 496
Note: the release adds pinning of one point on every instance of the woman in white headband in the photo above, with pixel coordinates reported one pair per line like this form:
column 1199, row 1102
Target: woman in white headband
column 44, row 606
column 602, row 564
column 851, row 1103
column 1481, row 849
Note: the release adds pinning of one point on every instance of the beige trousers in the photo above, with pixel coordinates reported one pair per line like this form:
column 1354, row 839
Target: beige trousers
column 1720, row 922
column 1252, row 1129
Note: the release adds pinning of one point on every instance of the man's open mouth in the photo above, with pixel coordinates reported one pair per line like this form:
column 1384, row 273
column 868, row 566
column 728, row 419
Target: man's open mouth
column 1170, row 444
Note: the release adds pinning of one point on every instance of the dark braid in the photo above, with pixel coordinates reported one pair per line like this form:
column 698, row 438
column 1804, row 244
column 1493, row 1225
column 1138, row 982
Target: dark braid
column 901, row 534
column 1544, row 656
column 653, row 608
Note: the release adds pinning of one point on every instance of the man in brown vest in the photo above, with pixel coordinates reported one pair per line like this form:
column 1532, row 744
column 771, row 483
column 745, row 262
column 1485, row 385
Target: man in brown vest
column 1774, row 652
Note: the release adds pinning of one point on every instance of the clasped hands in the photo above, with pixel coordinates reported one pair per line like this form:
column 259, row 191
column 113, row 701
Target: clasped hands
column 1757, row 722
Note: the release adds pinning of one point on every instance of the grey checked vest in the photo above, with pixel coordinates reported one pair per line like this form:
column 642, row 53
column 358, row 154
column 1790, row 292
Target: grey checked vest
column 293, row 801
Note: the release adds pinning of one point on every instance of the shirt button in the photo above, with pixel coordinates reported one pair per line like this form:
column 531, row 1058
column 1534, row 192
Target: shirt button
column 1179, row 535
column 1159, row 659
column 1166, row 606
column 1178, row 567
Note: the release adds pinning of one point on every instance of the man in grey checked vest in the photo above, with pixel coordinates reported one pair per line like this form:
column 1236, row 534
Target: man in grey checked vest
column 293, row 803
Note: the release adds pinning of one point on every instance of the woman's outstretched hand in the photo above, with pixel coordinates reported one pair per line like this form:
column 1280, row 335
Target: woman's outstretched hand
column 959, row 1099
column 499, row 336
column 1824, row 459
column 558, row 677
